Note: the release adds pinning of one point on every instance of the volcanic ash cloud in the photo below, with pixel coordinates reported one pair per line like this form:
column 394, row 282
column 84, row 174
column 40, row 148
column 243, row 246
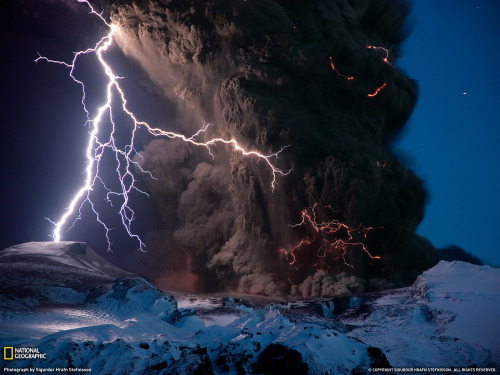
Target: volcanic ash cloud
column 270, row 74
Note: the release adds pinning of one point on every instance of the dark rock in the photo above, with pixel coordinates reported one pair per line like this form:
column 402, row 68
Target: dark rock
column 278, row 359
column 192, row 364
column 378, row 358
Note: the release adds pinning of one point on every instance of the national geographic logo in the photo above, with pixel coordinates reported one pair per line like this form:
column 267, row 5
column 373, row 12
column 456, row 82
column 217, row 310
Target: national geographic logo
column 10, row 353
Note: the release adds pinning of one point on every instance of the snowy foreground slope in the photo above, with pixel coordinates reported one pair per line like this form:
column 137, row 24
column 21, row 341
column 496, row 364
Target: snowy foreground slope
column 450, row 316
column 84, row 313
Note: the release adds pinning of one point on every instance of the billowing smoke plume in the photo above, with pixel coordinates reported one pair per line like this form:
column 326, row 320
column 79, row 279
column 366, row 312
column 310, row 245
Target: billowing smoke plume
column 273, row 73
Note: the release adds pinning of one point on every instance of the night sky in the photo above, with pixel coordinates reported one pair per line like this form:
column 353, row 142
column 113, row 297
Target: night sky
column 454, row 134
column 453, row 141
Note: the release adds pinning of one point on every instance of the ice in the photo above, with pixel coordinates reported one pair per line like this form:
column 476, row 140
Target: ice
column 447, row 317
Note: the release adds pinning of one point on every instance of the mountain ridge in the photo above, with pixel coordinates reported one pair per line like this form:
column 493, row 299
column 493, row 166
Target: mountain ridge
column 82, row 316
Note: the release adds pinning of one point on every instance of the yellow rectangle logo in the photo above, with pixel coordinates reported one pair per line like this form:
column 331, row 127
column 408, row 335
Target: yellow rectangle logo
column 6, row 350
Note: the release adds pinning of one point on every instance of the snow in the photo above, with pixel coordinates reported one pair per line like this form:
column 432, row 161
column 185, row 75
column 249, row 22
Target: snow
column 472, row 293
column 129, row 323
column 75, row 254
column 448, row 316
column 67, row 301
column 211, row 310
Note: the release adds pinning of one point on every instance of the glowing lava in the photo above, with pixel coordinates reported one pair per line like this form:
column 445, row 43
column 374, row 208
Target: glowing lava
column 96, row 146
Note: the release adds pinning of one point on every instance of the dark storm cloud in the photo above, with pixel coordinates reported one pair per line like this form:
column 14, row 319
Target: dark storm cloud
column 260, row 72
column 40, row 8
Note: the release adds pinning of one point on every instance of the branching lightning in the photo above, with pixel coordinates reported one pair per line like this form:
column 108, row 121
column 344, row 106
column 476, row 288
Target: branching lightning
column 332, row 238
column 329, row 238
column 96, row 146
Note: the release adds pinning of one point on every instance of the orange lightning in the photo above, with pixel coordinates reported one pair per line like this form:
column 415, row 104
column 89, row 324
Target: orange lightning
column 330, row 237
column 375, row 93
column 336, row 71
column 386, row 58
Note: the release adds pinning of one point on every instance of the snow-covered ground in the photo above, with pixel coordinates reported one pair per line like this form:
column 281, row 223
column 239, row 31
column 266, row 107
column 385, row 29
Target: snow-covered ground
column 449, row 316
column 71, row 304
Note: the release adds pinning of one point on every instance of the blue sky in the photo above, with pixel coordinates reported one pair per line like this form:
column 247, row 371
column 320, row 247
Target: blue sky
column 453, row 138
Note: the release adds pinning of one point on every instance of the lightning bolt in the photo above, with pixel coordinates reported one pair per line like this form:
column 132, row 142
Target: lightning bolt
column 338, row 73
column 349, row 78
column 375, row 93
column 386, row 58
column 329, row 238
column 97, row 145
